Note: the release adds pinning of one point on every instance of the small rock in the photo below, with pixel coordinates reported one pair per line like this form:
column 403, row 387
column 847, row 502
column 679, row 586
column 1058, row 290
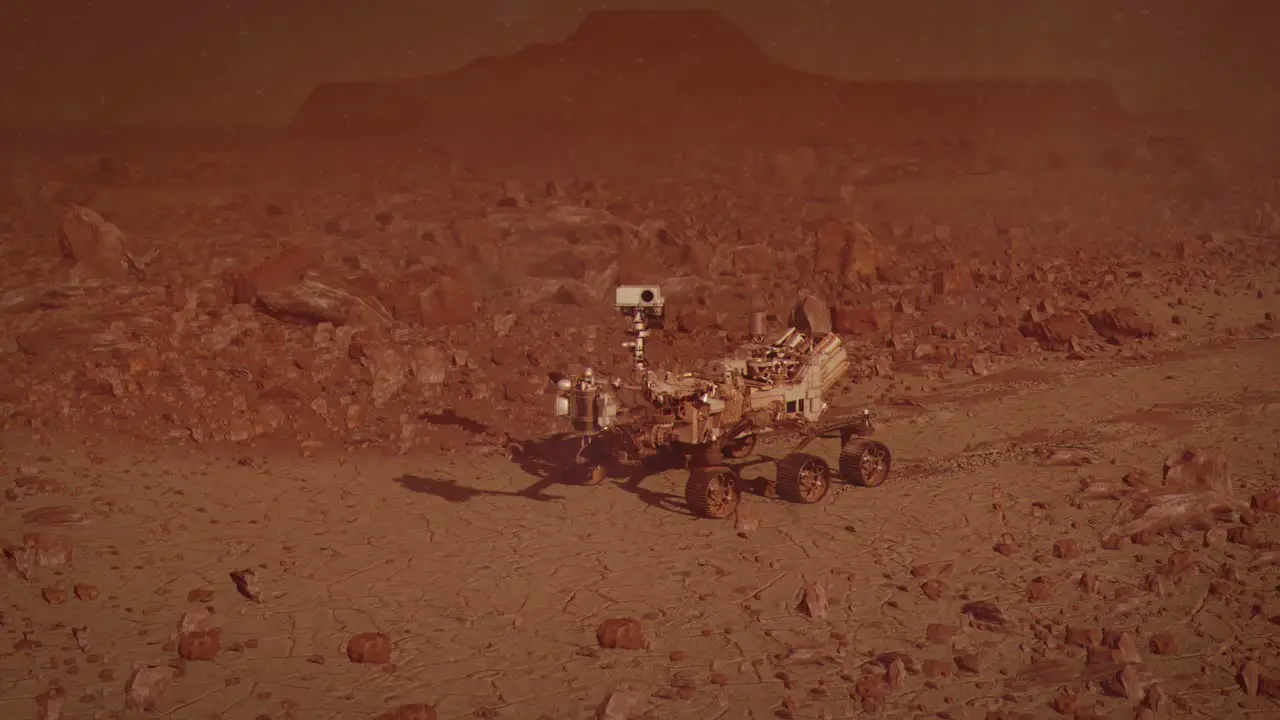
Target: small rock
column 745, row 520
column 1127, row 646
column 980, row 366
column 896, row 673
column 429, row 366
column 814, row 601
column 969, row 663
column 49, row 704
column 1199, row 469
column 52, row 551
column 148, row 686
column 985, row 612
column 1269, row 686
column 1084, row 637
column 872, row 687
column 369, row 648
column 620, row 705
column 203, row 596
column 54, row 595
column 1103, row 657
column 1163, row 644
column 1249, row 674
column 1266, row 502
column 85, row 593
column 194, row 621
column 247, row 584
column 1121, row 324
column 933, row 589
column 1126, row 684
column 1088, row 583
column 1246, row 536
column 203, row 645
column 621, row 634
column 1154, row 699
column 1066, row 549
column 1039, row 590
column 81, row 635
column 1066, row 704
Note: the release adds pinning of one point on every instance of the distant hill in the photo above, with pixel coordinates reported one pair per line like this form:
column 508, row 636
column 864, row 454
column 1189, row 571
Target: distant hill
column 629, row 69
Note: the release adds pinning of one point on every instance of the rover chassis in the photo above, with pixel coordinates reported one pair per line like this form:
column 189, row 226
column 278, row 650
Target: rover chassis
column 714, row 489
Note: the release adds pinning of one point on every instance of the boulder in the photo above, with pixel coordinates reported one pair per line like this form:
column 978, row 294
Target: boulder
column 862, row 255
column 813, row 316
column 1121, row 324
column 95, row 245
column 312, row 301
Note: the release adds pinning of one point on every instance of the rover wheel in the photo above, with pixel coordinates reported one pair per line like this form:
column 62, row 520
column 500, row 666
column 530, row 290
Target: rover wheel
column 865, row 462
column 803, row 478
column 712, row 492
column 740, row 447
column 591, row 473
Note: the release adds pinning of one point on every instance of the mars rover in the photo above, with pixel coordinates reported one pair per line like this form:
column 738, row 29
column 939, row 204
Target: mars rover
column 705, row 417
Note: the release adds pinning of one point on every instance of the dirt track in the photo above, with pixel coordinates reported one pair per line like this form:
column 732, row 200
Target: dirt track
column 491, row 581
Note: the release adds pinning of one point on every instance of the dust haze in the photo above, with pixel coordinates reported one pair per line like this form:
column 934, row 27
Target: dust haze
column 72, row 62
column 961, row 401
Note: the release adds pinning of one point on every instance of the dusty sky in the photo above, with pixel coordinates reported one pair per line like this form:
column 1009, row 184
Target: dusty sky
column 253, row 61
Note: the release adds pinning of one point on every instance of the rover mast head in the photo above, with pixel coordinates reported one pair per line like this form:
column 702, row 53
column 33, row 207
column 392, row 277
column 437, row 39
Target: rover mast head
column 647, row 309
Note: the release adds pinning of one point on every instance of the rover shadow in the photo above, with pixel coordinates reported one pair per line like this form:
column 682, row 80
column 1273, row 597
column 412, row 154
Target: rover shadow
column 550, row 459
column 545, row 458
column 452, row 491
column 761, row 487
column 633, row 482
column 450, row 417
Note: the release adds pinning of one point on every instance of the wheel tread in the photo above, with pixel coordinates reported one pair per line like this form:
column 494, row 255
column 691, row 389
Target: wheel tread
column 788, row 483
column 696, row 492
column 851, row 461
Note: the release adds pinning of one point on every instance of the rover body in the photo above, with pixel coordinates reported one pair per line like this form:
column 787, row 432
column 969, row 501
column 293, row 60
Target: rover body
column 718, row 413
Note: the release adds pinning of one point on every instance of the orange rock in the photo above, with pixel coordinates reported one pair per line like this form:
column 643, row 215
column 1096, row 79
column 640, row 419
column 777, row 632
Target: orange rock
column 1066, row 549
column 621, row 634
column 369, row 648
column 200, row 645
column 1267, row 501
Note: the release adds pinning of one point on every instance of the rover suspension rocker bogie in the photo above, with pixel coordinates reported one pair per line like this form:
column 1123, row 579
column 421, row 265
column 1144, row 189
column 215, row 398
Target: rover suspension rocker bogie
column 701, row 420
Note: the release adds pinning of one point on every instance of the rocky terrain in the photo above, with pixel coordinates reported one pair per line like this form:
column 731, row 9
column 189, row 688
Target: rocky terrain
column 271, row 404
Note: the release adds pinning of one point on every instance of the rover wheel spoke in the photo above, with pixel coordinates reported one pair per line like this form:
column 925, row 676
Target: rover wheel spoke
column 803, row 478
column 712, row 492
column 865, row 462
